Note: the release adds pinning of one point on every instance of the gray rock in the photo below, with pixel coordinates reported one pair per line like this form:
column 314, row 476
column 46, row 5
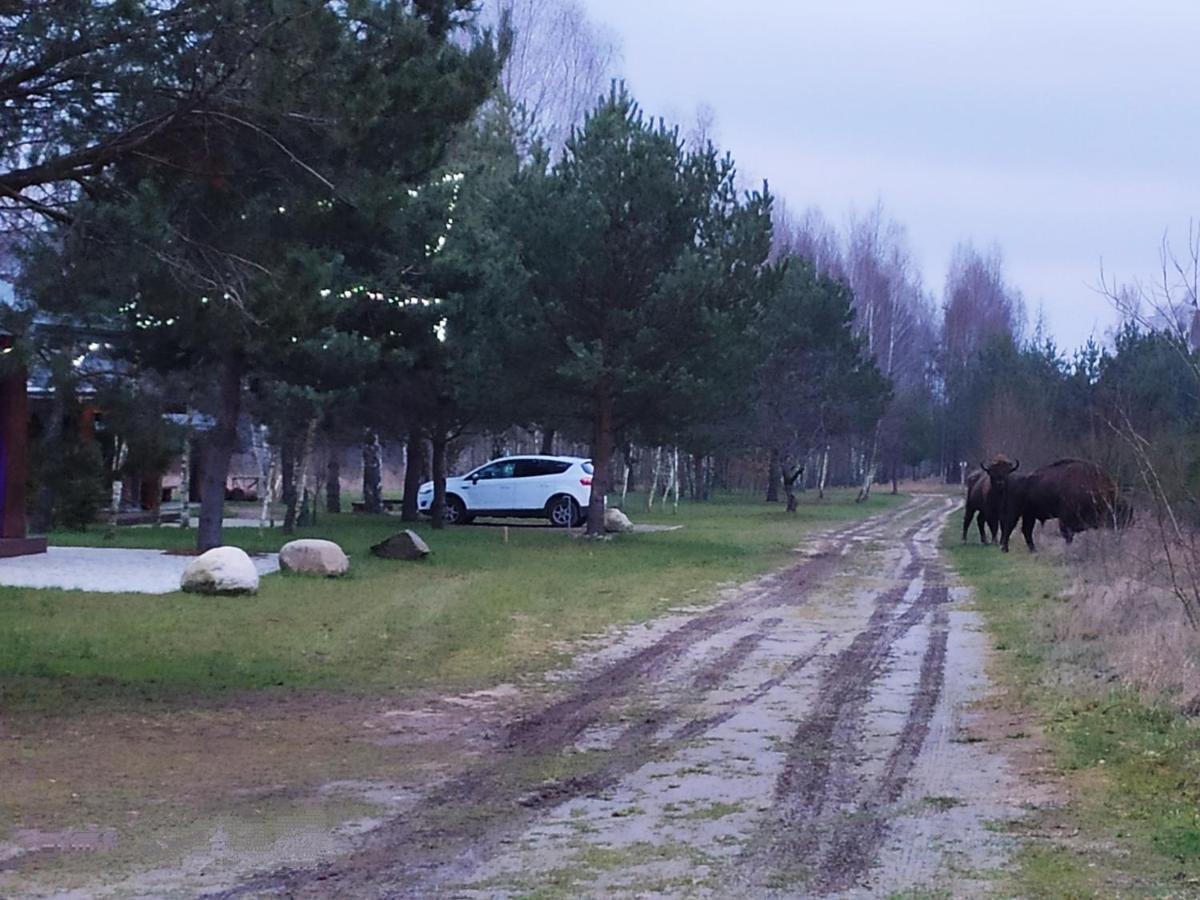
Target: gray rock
column 222, row 570
column 310, row 556
column 616, row 522
column 405, row 545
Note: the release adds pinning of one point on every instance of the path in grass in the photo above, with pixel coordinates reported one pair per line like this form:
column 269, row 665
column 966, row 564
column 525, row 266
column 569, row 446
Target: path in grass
column 200, row 738
column 806, row 735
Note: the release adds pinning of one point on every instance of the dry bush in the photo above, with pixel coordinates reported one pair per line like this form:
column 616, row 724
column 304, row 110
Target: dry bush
column 1123, row 621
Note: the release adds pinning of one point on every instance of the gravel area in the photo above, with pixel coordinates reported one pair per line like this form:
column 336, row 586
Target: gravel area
column 106, row 570
column 225, row 523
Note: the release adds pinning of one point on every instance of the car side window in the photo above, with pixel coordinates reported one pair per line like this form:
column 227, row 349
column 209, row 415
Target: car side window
column 530, row 468
column 503, row 469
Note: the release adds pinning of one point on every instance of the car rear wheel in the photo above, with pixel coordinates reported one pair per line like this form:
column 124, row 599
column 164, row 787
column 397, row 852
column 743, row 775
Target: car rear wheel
column 456, row 512
column 564, row 512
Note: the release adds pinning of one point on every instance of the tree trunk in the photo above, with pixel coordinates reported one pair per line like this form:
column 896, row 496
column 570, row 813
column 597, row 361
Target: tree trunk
column 675, row 475
column 117, row 486
column 602, row 447
column 219, row 445
column 773, row 469
column 185, row 476
column 307, row 516
column 824, row 473
column 333, row 485
column 789, row 486
column 627, row 472
column 672, row 477
column 864, row 491
column 631, row 461
column 287, row 464
column 547, row 442
column 413, row 471
column 439, row 479
column 51, row 443
column 265, row 459
column 372, row 457
column 654, row 479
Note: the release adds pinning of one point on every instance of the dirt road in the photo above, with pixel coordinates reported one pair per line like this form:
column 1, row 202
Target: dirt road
column 805, row 736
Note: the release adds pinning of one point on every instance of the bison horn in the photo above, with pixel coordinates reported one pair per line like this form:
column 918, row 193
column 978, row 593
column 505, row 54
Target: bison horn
column 1017, row 466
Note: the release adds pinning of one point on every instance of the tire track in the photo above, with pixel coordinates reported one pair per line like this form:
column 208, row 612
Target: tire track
column 828, row 821
column 469, row 817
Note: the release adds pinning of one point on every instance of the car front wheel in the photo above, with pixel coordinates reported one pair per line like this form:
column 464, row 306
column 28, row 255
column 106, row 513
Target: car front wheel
column 564, row 512
column 456, row 512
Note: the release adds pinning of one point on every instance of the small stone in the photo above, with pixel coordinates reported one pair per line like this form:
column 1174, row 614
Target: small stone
column 310, row 556
column 222, row 570
column 616, row 522
column 405, row 545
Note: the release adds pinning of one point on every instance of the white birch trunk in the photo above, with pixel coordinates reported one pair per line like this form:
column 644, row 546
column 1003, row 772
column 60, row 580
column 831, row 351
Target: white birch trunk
column 118, row 486
column 185, row 476
column 675, row 479
column 824, row 472
column 654, row 479
column 625, row 482
column 264, row 458
column 870, row 463
column 302, row 482
column 670, row 482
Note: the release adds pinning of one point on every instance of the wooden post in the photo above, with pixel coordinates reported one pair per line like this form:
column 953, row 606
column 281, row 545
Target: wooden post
column 14, row 462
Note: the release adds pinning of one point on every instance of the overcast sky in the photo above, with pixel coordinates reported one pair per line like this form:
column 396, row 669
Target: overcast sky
column 1064, row 132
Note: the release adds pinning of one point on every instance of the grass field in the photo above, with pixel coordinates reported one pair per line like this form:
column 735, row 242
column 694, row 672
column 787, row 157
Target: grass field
column 488, row 605
column 1131, row 827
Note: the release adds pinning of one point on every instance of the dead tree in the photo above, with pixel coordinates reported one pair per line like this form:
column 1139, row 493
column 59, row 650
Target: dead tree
column 789, row 486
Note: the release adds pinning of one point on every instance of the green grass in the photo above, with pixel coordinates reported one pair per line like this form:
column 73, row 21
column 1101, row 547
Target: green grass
column 1132, row 770
column 483, row 608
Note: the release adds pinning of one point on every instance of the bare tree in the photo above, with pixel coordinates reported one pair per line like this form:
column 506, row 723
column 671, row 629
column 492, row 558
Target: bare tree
column 979, row 305
column 1171, row 302
column 892, row 309
column 560, row 62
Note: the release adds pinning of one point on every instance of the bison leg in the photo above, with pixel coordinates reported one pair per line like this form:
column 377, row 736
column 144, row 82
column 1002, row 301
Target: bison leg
column 1066, row 532
column 979, row 520
column 1027, row 523
column 993, row 526
column 967, row 521
column 1005, row 533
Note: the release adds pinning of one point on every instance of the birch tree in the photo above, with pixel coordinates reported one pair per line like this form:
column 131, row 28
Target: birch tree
column 891, row 305
column 559, row 63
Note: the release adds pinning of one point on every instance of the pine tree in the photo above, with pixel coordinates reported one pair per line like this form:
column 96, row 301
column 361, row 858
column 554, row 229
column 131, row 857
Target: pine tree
column 643, row 265
column 237, row 253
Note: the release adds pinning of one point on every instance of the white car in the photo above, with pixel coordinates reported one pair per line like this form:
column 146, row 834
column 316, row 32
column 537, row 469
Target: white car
column 557, row 487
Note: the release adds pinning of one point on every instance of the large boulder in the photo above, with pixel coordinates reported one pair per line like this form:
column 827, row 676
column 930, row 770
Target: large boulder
column 310, row 556
column 222, row 570
column 616, row 522
column 405, row 545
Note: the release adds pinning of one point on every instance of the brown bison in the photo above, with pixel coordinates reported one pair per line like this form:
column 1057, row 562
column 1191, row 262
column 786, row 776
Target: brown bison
column 985, row 494
column 1078, row 493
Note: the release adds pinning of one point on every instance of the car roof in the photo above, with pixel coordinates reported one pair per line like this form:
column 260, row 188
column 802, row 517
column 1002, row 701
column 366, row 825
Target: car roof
column 571, row 459
column 537, row 456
